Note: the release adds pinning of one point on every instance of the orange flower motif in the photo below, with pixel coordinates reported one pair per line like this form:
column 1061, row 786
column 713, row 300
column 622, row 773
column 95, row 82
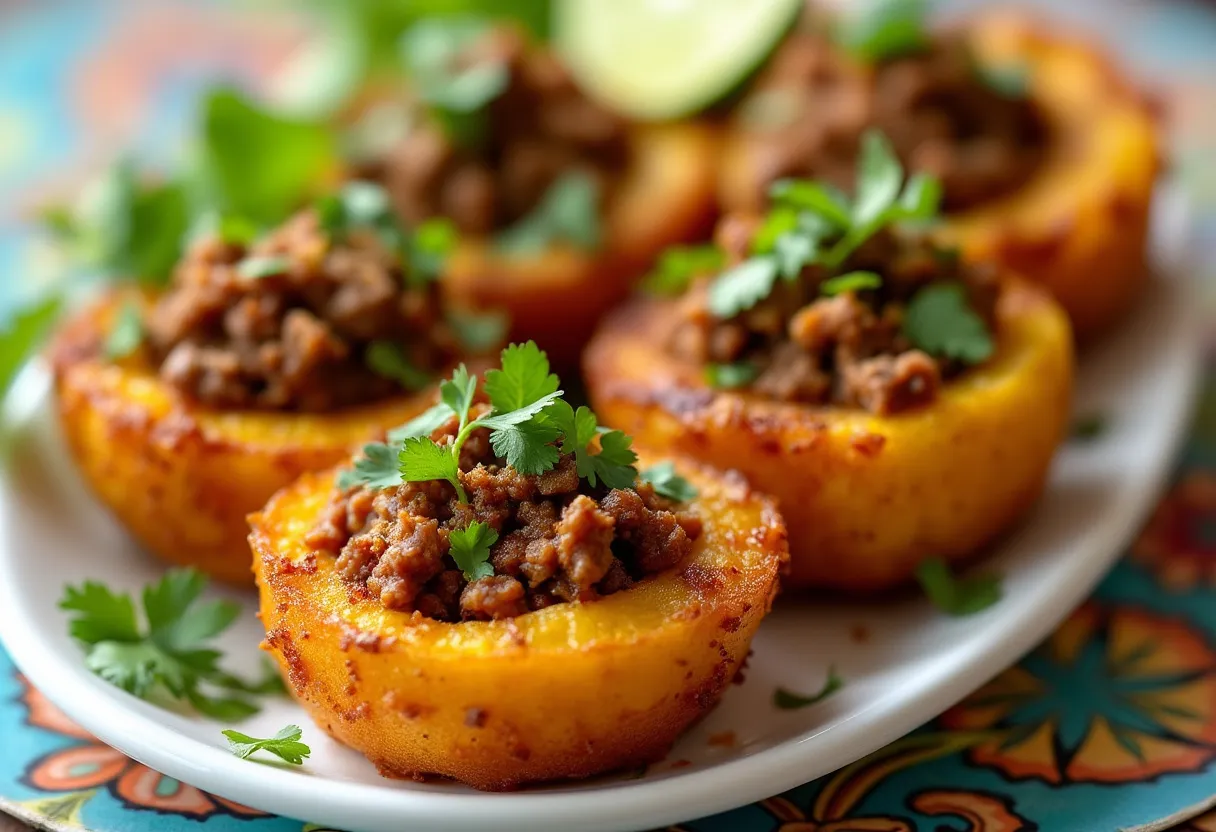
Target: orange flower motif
column 1179, row 542
column 90, row 764
column 1150, row 707
column 983, row 813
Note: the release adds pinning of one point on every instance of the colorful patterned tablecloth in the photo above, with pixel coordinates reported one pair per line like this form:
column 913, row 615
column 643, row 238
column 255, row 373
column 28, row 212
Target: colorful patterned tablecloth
column 1111, row 724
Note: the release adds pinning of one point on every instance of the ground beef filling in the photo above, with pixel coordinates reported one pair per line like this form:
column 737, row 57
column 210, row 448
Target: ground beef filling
column 539, row 128
column 559, row 539
column 808, row 110
column 847, row 350
column 294, row 339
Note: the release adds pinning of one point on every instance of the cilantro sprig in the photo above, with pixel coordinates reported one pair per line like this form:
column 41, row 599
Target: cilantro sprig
column 957, row 596
column 22, row 336
column 530, row 426
column 285, row 745
column 881, row 30
column 568, row 212
column 470, row 548
column 812, row 223
column 169, row 652
column 788, row 700
column 667, row 483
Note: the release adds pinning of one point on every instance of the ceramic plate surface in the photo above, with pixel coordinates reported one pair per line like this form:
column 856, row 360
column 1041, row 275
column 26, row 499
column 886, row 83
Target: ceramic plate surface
column 903, row 662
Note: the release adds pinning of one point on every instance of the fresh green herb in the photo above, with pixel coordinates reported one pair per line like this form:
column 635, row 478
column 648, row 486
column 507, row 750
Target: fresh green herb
column 1008, row 81
column 124, row 228
column 263, row 265
column 528, row 423
column 730, row 376
column 850, row 282
column 386, row 359
column 366, row 206
column 881, row 30
column 471, row 549
column 612, row 464
column 678, row 266
column 285, row 745
column 126, row 333
column 939, row 322
column 171, row 655
column 957, row 596
column 479, row 331
column 376, row 468
column 457, row 91
column 22, row 336
column 789, row 701
column 814, row 224
column 376, row 26
column 1089, row 427
column 667, row 483
column 258, row 165
column 568, row 212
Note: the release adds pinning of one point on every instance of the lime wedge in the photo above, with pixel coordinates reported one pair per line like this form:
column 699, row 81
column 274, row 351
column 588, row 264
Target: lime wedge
column 667, row 58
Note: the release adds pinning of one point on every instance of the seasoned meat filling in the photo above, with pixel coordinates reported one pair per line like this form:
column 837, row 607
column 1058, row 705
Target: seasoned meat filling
column 295, row 333
column 848, row 349
column 559, row 539
column 808, row 110
column 540, row 127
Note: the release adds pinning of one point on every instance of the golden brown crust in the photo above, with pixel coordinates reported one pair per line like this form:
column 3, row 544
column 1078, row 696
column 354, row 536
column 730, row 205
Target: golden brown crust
column 555, row 298
column 566, row 692
column 179, row 476
column 866, row 498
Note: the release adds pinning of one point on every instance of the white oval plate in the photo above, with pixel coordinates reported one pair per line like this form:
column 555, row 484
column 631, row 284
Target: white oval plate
column 912, row 664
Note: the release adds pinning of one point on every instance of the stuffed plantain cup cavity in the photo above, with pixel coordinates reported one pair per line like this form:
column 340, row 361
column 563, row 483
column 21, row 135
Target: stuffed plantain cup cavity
column 185, row 409
column 504, row 554
column 559, row 203
column 900, row 403
column 1048, row 157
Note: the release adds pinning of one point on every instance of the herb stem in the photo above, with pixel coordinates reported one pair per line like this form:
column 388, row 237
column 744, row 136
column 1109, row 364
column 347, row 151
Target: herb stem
column 457, row 444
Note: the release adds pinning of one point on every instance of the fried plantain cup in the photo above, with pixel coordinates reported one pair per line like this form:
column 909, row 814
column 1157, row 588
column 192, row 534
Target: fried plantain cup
column 666, row 196
column 181, row 476
column 568, row 691
column 866, row 497
column 1079, row 225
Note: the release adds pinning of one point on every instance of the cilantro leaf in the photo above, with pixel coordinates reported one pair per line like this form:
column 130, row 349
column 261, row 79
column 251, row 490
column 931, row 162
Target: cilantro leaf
column 429, row 247
column 386, row 358
column 788, row 701
column 743, row 286
column 105, row 615
column 939, row 321
column 457, row 393
column 921, row 198
column 124, row 228
column 613, row 464
column 420, row 460
column 957, row 596
column 171, row 654
column 523, row 379
column 850, row 282
column 730, row 376
column 285, row 745
column 479, row 331
column 526, row 446
column 22, row 336
column 679, row 266
column 879, row 30
column 806, row 195
column 667, row 483
column 257, row 164
column 377, row 468
column 577, row 428
column 568, row 212
column 470, row 548
column 424, row 424
column 126, row 332
column 263, row 265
